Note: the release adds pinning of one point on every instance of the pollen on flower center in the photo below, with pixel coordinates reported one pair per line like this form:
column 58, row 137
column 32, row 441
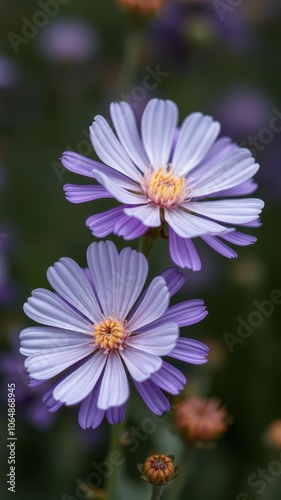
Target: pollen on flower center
column 163, row 188
column 110, row 334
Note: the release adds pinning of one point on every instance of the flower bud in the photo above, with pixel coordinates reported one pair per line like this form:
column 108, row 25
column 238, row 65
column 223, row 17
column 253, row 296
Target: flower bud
column 201, row 421
column 273, row 435
column 158, row 469
column 142, row 6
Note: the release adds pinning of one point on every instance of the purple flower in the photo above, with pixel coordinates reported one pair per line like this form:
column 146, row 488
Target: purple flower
column 168, row 178
column 98, row 326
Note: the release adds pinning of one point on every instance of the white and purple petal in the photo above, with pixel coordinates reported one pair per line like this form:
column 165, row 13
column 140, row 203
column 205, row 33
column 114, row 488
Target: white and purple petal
column 140, row 364
column 151, row 306
column 158, row 125
column 190, row 351
column 197, row 134
column 81, row 194
column 114, row 390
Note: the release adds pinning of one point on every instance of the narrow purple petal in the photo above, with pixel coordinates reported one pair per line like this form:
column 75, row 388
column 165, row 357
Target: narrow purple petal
column 247, row 187
column 129, row 227
column 79, row 164
column 103, row 224
column 49, row 400
column 121, row 194
column 183, row 252
column 169, row 378
column 190, row 351
column 174, row 280
column 116, row 414
column 221, row 148
column 80, row 194
column 152, row 396
column 185, row 313
column 220, row 247
column 239, row 239
column 90, row 416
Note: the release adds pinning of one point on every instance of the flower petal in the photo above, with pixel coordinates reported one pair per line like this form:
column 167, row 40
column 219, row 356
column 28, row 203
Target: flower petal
column 234, row 169
column 174, row 280
column 114, row 389
column 50, row 362
column 151, row 306
column 219, row 150
column 115, row 414
column 189, row 226
column 183, row 252
column 147, row 214
column 169, row 378
column 237, row 211
column 129, row 227
column 76, row 386
column 47, row 308
column 90, row 416
column 157, row 340
column 140, row 364
column 70, row 282
column 184, row 314
column 152, row 396
column 109, row 149
column 119, row 279
column 103, row 224
column 81, row 194
column 79, row 164
column 118, row 192
column 38, row 338
column 190, row 351
column 125, row 125
column 158, row 125
column 240, row 239
column 220, row 247
column 197, row 135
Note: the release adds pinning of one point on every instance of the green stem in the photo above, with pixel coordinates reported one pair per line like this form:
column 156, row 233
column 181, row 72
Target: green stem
column 115, row 445
column 145, row 247
column 157, row 492
column 132, row 50
column 179, row 483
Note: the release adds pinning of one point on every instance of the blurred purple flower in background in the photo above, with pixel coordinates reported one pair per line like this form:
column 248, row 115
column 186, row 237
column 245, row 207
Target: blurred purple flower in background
column 182, row 22
column 68, row 41
column 95, row 327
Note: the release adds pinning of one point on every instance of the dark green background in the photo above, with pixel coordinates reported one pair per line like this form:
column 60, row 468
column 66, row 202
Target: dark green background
column 49, row 113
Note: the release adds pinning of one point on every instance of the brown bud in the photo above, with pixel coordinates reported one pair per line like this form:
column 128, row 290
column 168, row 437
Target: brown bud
column 142, row 6
column 273, row 435
column 158, row 469
column 201, row 421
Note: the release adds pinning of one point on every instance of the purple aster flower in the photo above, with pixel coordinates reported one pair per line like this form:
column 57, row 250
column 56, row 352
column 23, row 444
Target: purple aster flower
column 98, row 328
column 168, row 178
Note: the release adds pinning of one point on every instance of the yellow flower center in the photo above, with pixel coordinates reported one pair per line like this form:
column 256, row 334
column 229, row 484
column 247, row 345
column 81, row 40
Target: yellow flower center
column 110, row 334
column 163, row 188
